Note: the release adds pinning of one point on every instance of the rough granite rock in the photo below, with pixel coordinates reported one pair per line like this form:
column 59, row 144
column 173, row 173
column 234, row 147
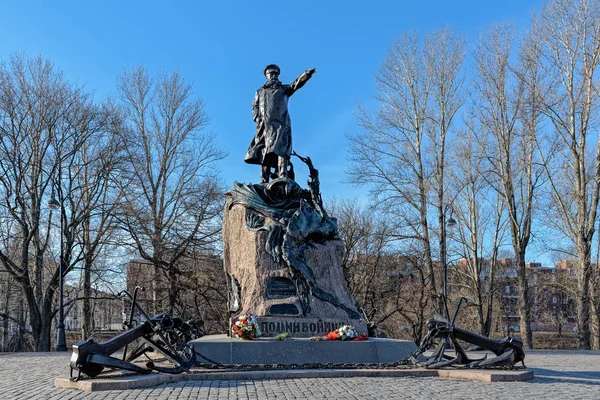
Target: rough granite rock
column 258, row 250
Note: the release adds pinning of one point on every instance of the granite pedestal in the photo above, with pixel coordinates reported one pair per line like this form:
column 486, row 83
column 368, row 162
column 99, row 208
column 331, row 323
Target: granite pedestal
column 227, row 350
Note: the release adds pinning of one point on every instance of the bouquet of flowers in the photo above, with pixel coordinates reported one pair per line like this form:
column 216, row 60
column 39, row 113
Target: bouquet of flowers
column 246, row 327
column 346, row 332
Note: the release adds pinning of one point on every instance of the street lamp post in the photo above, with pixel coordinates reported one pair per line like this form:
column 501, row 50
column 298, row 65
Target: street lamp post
column 447, row 223
column 61, row 343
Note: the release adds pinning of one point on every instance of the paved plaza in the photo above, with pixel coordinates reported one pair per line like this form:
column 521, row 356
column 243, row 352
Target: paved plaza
column 559, row 375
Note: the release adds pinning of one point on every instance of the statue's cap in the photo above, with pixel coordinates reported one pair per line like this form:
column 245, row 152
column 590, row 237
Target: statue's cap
column 271, row 67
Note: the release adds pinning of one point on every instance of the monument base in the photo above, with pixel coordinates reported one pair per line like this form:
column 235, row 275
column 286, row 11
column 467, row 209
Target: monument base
column 226, row 350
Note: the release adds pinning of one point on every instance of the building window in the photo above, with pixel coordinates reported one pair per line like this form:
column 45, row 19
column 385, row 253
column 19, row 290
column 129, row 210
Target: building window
column 507, row 289
column 508, row 308
column 554, row 300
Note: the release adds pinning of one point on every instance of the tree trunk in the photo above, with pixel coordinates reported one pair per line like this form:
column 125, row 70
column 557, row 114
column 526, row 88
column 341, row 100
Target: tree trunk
column 443, row 302
column 487, row 330
column 86, row 329
column 596, row 324
column 584, row 275
column 595, row 309
column 490, row 298
column 5, row 330
column 433, row 293
column 4, row 346
column 172, row 288
column 155, row 286
column 480, row 317
column 39, row 276
column 35, row 320
column 20, row 331
column 525, row 305
column 42, row 337
column 9, row 283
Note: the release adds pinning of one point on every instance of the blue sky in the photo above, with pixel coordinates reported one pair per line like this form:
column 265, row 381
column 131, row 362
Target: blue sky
column 223, row 46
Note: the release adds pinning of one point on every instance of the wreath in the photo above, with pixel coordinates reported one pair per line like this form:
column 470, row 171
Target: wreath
column 246, row 327
column 345, row 332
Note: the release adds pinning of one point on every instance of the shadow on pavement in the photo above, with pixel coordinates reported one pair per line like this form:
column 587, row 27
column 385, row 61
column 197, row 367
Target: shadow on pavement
column 543, row 375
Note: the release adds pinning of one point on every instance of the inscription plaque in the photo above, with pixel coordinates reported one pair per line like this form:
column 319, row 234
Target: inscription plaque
column 305, row 327
column 283, row 309
column 280, row 287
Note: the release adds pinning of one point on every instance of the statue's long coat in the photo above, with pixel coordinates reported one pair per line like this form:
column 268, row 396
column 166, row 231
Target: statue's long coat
column 273, row 137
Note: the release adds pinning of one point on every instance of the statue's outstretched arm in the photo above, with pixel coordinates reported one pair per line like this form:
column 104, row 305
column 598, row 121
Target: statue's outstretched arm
column 300, row 81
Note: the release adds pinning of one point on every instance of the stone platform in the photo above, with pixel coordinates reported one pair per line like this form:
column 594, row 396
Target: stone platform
column 146, row 381
column 559, row 374
column 227, row 350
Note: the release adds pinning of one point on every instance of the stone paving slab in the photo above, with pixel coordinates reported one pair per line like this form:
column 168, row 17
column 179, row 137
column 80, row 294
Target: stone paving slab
column 144, row 381
column 486, row 375
column 558, row 375
column 120, row 383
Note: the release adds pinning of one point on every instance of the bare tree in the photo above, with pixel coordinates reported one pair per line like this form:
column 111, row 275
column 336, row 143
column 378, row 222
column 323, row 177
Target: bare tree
column 9, row 290
column 408, row 306
column 566, row 36
column 362, row 233
column 40, row 119
column 556, row 300
column 171, row 198
column 9, row 287
column 367, row 239
column 480, row 229
column 87, row 197
column 206, row 291
column 445, row 55
column 508, row 119
column 400, row 152
column 388, row 283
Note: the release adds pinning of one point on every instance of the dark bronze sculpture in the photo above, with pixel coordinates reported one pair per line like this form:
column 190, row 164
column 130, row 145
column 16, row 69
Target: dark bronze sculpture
column 163, row 333
column 272, row 144
column 508, row 351
column 302, row 221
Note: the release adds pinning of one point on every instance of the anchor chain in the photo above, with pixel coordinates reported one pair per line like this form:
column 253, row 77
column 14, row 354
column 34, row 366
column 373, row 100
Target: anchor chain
column 408, row 362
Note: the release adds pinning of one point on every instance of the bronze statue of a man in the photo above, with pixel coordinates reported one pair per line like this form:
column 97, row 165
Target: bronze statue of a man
column 272, row 144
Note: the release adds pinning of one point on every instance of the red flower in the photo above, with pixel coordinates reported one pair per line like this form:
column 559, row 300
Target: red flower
column 333, row 336
column 361, row 337
column 251, row 337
